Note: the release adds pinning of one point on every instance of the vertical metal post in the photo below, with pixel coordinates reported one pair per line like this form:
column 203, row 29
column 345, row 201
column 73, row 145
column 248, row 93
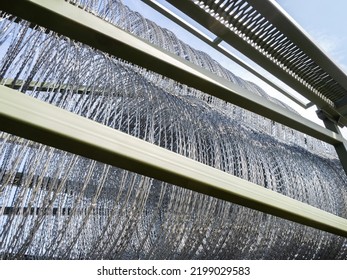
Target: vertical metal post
column 341, row 148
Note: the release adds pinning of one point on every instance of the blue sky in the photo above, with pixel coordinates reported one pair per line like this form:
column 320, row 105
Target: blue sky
column 324, row 21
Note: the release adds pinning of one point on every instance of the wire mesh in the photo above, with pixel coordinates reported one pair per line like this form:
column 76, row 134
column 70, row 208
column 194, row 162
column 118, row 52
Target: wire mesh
column 56, row 205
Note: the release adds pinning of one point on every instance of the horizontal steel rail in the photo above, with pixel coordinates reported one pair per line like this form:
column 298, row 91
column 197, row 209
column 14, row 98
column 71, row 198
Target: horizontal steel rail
column 264, row 33
column 31, row 118
column 216, row 45
column 21, row 85
column 71, row 21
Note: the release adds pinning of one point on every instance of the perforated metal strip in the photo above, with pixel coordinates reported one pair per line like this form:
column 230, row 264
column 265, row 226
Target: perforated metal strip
column 249, row 24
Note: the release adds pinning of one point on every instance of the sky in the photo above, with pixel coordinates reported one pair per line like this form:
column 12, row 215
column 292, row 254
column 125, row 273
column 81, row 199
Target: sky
column 324, row 21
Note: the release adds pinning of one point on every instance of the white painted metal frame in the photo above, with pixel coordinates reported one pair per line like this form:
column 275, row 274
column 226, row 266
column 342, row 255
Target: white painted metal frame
column 30, row 118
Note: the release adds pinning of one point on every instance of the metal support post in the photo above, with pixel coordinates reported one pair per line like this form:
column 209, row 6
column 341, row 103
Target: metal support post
column 341, row 148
